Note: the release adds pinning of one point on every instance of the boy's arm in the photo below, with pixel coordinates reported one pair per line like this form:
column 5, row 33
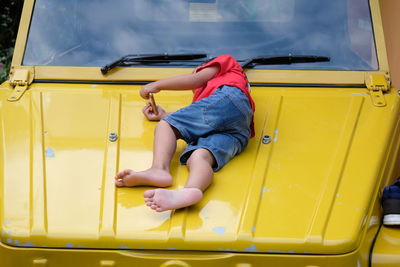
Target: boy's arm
column 181, row 82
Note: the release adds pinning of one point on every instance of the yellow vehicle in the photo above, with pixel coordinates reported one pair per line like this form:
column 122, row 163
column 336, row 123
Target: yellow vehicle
column 305, row 192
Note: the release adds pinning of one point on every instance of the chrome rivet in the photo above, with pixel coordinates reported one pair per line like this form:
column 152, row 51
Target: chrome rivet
column 113, row 137
column 266, row 139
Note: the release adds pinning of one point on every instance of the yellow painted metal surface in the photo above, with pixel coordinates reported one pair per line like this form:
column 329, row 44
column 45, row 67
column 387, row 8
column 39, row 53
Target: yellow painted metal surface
column 387, row 248
column 298, row 194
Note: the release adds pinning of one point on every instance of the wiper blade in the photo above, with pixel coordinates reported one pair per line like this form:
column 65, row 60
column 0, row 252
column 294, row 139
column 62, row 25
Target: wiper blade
column 278, row 60
column 150, row 58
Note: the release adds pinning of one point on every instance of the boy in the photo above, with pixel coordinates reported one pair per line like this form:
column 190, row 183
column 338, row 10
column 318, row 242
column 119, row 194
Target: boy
column 216, row 126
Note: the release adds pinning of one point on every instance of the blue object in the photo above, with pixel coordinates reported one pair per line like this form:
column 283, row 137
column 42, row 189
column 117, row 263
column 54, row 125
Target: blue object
column 392, row 191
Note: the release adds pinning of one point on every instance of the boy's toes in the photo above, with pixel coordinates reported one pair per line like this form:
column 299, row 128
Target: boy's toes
column 122, row 174
column 149, row 202
column 149, row 194
column 156, row 207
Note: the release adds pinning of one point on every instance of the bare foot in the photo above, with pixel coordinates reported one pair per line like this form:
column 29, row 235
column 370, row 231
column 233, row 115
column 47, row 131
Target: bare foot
column 163, row 199
column 152, row 177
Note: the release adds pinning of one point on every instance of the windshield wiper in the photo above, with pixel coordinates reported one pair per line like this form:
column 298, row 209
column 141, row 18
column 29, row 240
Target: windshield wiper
column 149, row 59
column 278, row 60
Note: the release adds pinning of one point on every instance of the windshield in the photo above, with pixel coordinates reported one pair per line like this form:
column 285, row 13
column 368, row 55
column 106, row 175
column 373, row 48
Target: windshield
column 94, row 33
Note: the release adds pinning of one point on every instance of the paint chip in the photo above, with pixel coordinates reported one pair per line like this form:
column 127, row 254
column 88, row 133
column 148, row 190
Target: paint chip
column 50, row 153
column 276, row 251
column 225, row 249
column 252, row 248
column 27, row 245
column 265, row 190
column 219, row 230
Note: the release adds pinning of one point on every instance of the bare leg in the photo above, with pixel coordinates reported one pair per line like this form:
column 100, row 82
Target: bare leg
column 158, row 174
column 200, row 177
column 201, row 173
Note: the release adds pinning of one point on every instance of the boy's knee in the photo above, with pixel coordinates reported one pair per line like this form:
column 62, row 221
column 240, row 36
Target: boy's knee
column 201, row 154
column 162, row 125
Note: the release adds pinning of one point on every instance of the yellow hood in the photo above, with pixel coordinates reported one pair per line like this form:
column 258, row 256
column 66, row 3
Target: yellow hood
column 297, row 188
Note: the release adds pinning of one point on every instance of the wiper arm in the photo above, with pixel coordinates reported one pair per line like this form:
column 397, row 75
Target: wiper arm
column 150, row 58
column 278, row 60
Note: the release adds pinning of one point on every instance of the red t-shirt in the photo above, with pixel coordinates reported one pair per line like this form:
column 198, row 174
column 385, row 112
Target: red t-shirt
column 230, row 73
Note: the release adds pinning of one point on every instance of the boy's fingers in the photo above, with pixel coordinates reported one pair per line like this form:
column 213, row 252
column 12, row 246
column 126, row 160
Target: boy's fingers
column 149, row 113
column 146, row 107
column 144, row 94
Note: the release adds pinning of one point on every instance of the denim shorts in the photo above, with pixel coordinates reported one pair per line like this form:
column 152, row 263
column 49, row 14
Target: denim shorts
column 219, row 123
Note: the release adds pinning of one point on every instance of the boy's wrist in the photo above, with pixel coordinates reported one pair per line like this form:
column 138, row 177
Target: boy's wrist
column 145, row 91
column 151, row 88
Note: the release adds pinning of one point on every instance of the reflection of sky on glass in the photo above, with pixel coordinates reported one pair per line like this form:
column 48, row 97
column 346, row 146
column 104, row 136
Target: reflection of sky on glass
column 93, row 33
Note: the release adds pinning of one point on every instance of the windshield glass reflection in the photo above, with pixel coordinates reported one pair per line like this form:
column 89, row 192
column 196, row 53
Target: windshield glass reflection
column 94, row 33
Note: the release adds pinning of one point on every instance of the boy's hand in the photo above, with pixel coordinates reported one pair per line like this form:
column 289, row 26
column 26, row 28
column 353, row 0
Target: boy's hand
column 147, row 89
column 151, row 116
